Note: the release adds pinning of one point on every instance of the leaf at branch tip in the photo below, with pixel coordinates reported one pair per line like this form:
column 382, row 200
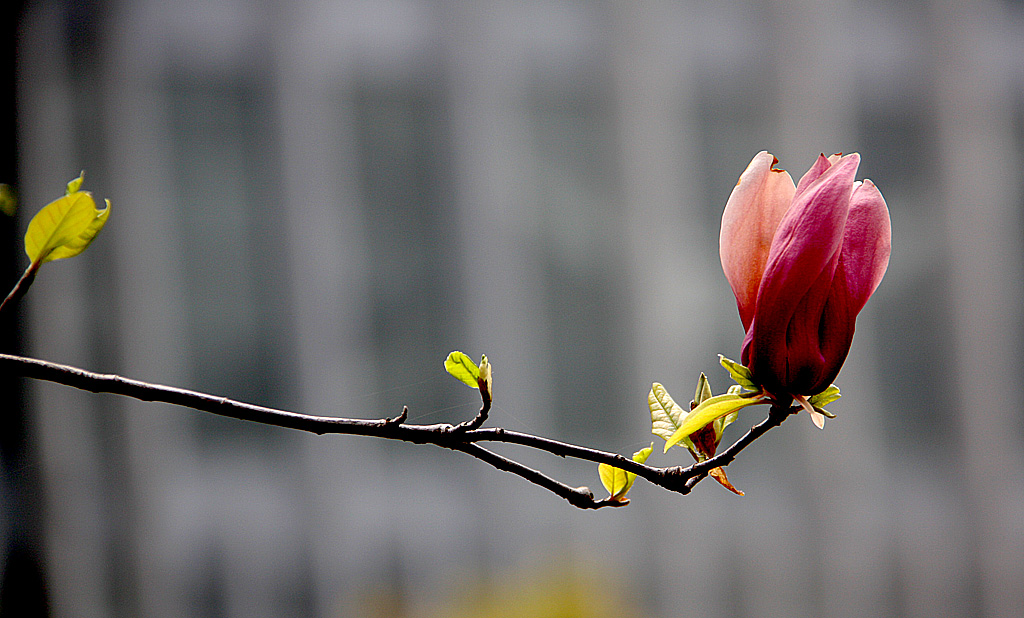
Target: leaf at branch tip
column 75, row 185
column 463, row 368
column 82, row 241
column 65, row 227
column 8, row 200
column 483, row 380
column 703, row 390
column 666, row 415
column 617, row 481
column 739, row 373
column 708, row 411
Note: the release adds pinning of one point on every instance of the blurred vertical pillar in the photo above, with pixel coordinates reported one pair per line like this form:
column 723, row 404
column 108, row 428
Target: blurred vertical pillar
column 672, row 260
column 153, row 332
column 329, row 261
column 814, row 80
column 653, row 73
column 813, row 114
column 23, row 585
column 844, row 530
column 497, row 204
column 69, row 425
column 978, row 170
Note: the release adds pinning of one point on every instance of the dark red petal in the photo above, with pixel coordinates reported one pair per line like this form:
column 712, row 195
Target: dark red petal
column 836, row 332
column 803, row 256
column 794, row 361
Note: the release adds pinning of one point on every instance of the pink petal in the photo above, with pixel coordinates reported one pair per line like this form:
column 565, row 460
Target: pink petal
column 821, row 164
column 816, row 417
column 752, row 214
column 808, row 238
column 866, row 243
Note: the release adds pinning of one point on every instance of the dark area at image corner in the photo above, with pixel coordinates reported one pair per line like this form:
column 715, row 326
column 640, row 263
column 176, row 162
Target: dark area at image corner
column 22, row 580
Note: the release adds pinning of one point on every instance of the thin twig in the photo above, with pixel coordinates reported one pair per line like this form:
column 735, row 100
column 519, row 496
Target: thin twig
column 580, row 497
column 564, row 449
column 441, row 434
column 481, row 416
column 21, row 286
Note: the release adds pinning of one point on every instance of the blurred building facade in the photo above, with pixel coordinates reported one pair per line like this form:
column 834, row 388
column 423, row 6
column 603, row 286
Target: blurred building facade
column 315, row 201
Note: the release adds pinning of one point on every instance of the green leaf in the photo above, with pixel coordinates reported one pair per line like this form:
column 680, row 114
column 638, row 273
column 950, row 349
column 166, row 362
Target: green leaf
column 666, row 415
column 8, row 200
column 82, row 241
column 703, row 390
column 64, row 227
column 618, row 481
column 708, row 411
column 463, row 368
column 739, row 373
column 825, row 397
column 76, row 184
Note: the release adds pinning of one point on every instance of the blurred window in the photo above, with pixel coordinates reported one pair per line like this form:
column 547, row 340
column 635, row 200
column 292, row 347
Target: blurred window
column 583, row 259
column 404, row 179
column 232, row 248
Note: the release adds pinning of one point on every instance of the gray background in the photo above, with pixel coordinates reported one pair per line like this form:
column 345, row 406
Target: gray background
column 315, row 201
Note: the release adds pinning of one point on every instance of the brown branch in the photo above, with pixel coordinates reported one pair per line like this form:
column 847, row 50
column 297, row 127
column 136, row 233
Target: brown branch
column 580, row 497
column 463, row 437
column 481, row 415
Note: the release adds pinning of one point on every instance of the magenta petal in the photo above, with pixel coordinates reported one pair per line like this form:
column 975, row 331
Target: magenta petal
column 805, row 359
column 866, row 244
column 794, row 362
column 809, row 236
column 828, row 253
column 862, row 263
column 801, row 263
